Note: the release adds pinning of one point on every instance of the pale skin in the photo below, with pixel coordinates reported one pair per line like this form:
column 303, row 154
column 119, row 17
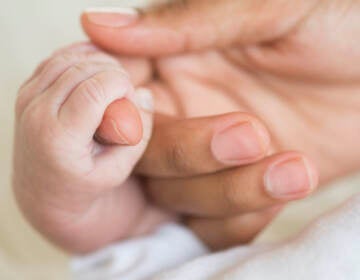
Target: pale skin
column 66, row 183
column 256, row 73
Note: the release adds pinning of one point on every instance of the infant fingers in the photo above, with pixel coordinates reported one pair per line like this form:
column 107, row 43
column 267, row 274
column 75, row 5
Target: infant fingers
column 74, row 48
column 83, row 110
column 60, row 89
column 83, row 47
column 50, row 71
column 121, row 122
column 57, row 79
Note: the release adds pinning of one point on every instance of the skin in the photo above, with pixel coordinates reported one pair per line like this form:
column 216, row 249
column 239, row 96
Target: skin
column 128, row 131
column 66, row 183
column 77, row 191
column 274, row 61
column 69, row 199
column 286, row 63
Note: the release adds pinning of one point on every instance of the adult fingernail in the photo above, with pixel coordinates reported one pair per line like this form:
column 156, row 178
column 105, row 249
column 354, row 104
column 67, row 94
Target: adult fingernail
column 240, row 143
column 144, row 99
column 290, row 178
column 117, row 136
column 112, row 17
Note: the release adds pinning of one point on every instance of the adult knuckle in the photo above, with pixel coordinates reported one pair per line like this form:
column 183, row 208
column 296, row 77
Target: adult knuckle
column 234, row 196
column 177, row 158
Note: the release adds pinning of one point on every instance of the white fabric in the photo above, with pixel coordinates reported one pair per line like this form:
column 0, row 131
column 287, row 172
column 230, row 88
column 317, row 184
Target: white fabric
column 328, row 249
column 170, row 246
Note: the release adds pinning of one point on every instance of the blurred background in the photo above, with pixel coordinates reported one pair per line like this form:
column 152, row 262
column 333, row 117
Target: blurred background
column 29, row 32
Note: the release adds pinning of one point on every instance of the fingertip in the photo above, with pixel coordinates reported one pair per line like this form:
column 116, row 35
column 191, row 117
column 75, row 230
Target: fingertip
column 139, row 38
column 291, row 176
column 240, row 139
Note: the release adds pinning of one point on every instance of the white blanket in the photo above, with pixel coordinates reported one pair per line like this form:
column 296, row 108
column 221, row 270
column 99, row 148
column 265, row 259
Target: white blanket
column 328, row 249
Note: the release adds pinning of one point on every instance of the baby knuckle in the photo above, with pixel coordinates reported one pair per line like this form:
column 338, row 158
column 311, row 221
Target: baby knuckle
column 93, row 91
column 67, row 57
column 55, row 62
column 33, row 113
column 33, row 121
column 72, row 73
column 43, row 135
column 105, row 58
column 55, row 66
column 81, row 67
column 19, row 104
column 64, row 59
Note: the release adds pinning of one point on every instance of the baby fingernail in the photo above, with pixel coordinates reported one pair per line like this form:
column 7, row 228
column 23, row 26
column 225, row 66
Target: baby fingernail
column 290, row 178
column 112, row 16
column 144, row 99
column 240, row 143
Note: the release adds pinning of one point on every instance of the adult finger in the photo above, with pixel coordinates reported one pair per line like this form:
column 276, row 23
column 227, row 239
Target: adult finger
column 204, row 145
column 179, row 26
column 116, row 163
column 121, row 124
column 123, row 112
column 220, row 234
column 274, row 180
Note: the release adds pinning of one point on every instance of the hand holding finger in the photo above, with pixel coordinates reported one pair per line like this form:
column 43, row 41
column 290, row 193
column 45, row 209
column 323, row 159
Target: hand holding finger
column 65, row 70
column 204, row 145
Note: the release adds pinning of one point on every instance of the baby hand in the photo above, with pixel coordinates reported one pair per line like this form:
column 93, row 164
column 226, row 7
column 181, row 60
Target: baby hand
column 71, row 188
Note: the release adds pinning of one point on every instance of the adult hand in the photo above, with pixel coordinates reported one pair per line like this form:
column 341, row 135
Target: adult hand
column 215, row 172
column 271, row 59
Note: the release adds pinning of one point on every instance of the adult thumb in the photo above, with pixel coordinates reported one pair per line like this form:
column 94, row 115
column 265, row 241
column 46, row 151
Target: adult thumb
column 191, row 25
column 121, row 124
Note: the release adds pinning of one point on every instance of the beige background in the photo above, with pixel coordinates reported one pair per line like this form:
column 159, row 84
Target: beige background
column 30, row 30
